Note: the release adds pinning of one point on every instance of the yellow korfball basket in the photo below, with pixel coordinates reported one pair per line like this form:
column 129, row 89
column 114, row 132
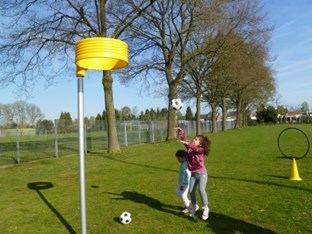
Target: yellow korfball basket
column 100, row 53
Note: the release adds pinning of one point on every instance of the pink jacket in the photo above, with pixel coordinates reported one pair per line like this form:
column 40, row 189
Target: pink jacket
column 195, row 157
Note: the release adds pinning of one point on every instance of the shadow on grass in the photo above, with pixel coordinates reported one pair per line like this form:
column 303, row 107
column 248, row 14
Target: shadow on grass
column 219, row 223
column 151, row 202
column 283, row 157
column 224, row 178
column 138, row 164
column 263, row 182
column 37, row 186
column 223, row 224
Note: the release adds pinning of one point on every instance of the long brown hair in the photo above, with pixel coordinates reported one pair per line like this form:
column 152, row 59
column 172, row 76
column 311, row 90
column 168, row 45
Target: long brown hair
column 206, row 144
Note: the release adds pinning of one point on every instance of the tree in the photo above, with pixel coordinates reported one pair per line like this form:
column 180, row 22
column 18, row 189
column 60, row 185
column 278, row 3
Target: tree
column 189, row 114
column 7, row 114
column 239, row 76
column 134, row 112
column 160, row 41
column 104, row 115
column 98, row 122
column 98, row 117
column 175, row 37
column 304, row 107
column 40, row 36
column 45, row 125
column 193, row 87
column 65, row 123
column 126, row 113
column 254, row 84
column 266, row 114
column 20, row 112
column 34, row 114
column 220, row 24
column 147, row 115
column 117, row 114
column 281, row 113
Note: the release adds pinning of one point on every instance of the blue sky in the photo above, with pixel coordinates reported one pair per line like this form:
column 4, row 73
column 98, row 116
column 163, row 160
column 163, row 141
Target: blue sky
column 291, row 44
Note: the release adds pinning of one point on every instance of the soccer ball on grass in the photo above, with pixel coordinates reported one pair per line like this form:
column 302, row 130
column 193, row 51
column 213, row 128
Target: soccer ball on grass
column 176, row 104
column 125, row 217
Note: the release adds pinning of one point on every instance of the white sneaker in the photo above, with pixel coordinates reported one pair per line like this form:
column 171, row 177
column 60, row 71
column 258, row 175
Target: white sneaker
column 194, row 209
column 205, row 215
column 185, row 210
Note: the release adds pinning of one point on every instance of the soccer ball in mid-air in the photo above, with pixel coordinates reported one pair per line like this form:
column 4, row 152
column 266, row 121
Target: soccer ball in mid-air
column 125, row 217
column 176, row 104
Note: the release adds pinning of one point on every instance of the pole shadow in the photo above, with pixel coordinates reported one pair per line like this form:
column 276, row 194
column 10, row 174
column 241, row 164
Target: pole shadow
column 37, row 186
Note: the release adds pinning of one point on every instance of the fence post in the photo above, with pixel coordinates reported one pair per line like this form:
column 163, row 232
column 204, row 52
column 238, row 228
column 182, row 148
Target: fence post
column 125, row 132
column 153, row 132
column 55, row 138
column 18, row 160
column 85, row 139
column 139, row 126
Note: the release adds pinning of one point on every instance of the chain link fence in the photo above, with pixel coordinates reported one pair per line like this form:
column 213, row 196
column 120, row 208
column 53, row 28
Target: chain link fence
column 28, row 144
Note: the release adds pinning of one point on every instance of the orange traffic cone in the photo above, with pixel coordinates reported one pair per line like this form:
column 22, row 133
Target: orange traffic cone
column 294, row 174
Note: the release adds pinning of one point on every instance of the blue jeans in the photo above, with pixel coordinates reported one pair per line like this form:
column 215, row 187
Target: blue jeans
column 199, row 178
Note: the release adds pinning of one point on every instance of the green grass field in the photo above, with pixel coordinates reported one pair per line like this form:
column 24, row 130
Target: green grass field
column 249, row 189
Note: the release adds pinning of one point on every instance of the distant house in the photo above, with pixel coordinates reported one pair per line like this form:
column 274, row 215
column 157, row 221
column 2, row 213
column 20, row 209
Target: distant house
column 309, row 113
column 204, row 117
column 306, row 116
column 231, row 115
column 293, row 116
column 253, row 116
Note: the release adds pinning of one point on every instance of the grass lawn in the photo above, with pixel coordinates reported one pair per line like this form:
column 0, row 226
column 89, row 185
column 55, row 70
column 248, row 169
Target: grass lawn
column 249, row 189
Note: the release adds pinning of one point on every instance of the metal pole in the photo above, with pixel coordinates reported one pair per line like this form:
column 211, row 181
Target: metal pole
column 55, row 136
column 139, row 126
column 153, row 132
column 83, row 211
column 18, row 160
column 125, row 132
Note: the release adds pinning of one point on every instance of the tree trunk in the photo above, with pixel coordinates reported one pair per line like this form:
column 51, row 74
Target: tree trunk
column 238, row 114
column 113, row 145
column 198, row 127
column 172, row 120
column 244, row 118
column 213, row 116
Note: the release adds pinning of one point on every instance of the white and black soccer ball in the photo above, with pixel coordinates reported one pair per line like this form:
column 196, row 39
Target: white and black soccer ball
column 125, row 217
column 176, row 104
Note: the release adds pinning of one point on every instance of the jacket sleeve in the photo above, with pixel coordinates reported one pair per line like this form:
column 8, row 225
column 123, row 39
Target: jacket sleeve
column 187, row 177
column 183, row 138
column 182, row 134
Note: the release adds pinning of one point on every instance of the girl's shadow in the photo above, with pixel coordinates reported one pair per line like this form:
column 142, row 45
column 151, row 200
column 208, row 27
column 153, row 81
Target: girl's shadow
column 223, row 224
column 152, row 202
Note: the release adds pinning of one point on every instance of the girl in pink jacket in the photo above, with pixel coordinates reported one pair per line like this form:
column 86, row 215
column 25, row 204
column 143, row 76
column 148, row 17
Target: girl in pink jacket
column 197, row 149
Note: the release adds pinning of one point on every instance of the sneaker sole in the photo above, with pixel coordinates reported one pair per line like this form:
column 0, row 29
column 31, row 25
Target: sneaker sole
column 205, row 217
column 192, row 214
